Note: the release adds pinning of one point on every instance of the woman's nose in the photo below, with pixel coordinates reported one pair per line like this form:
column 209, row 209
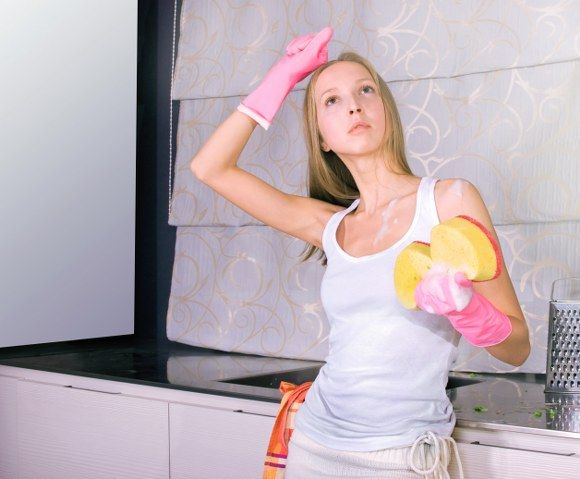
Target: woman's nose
column 351, row 110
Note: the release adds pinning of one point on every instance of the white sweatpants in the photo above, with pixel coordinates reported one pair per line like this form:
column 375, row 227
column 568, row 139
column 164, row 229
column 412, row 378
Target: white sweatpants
column 308, row 459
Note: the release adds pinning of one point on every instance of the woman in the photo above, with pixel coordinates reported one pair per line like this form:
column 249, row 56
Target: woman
column 378, row 407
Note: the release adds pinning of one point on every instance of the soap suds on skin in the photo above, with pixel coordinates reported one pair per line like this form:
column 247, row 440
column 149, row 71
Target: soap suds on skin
column 386, row 217
column 457, row 188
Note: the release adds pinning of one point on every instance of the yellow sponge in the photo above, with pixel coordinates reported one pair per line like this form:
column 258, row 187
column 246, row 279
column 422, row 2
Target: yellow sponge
column 461, row 242
column 410, row 267
column 466, row 245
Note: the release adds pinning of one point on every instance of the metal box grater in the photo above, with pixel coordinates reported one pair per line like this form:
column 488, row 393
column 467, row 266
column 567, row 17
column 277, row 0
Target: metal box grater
column 563, row 361
column 566, row 412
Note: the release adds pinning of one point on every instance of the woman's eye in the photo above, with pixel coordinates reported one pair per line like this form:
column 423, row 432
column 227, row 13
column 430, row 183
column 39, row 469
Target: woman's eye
column 333, row 98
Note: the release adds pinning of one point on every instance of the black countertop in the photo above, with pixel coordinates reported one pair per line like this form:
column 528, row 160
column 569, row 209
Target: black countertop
column 175, row 366
column 500, row 401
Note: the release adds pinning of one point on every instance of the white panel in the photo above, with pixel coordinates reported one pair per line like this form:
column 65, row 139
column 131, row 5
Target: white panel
column 67, row 155
column 277, row 156
column 511, row 133
column 226, row 49
column 244, row 290
column 217, row 444
column 74, row 433
column 8, row 428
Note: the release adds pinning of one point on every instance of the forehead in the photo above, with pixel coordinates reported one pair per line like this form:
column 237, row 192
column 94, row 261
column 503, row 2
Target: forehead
column 338, row 74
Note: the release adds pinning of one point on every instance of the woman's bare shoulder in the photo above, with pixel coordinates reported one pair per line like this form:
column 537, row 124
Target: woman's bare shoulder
column 451, row 195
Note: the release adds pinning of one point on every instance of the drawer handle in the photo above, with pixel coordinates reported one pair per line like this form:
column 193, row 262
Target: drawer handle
column 252, row 413
column 93, row 390
column 477, row 443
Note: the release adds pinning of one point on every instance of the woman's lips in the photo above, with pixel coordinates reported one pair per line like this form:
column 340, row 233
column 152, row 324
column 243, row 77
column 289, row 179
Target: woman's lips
column 359, row 129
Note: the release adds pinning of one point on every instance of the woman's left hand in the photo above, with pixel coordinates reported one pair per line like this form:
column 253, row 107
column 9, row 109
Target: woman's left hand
column 442, row 291
column 450, row 293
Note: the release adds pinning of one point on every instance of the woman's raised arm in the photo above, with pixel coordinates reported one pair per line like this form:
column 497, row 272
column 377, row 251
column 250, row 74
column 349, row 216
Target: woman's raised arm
column 215, row 164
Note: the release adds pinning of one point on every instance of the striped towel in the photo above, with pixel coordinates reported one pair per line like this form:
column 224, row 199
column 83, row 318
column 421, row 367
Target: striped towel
column 293, row 397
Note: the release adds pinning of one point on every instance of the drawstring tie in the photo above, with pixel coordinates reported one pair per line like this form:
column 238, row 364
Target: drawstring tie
column 441, row 454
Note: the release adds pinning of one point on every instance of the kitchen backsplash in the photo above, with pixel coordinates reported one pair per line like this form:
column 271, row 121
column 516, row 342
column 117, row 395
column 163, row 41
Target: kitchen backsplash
column 486, row 92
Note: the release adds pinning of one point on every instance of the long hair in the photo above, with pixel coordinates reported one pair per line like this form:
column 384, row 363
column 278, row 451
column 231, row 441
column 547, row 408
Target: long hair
column 328, row 177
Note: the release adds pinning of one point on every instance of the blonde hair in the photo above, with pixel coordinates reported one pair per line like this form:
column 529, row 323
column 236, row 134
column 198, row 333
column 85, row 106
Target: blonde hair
column 328, row 177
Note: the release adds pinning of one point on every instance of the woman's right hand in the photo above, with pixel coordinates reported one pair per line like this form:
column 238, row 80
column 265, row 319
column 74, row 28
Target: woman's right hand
column 304, row 54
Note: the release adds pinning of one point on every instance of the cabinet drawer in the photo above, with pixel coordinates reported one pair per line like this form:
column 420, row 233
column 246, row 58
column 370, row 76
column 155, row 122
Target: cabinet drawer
column 565, row 443
column 482, row 461
column 217, row 443
column 69, row 432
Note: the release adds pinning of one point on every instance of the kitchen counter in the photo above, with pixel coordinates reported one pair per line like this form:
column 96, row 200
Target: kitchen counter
column 515, row 402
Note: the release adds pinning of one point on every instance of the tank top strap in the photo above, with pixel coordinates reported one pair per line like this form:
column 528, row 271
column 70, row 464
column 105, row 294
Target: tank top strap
column 426, row 200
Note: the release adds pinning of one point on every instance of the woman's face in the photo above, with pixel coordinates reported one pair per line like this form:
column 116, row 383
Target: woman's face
column 345, row 94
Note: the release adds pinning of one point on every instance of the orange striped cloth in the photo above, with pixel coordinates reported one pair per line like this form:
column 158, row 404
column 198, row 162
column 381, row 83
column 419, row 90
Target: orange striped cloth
column 293, row 397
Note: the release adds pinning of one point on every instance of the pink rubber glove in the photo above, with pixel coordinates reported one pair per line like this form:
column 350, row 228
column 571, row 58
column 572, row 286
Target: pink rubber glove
column 304, row 54
column 450, row 293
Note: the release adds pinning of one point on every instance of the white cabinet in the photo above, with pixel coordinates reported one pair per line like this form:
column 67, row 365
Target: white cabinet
column 499, row 454
column 8, row 427
column 60, row 426
column 66, row 432
column 216, row 443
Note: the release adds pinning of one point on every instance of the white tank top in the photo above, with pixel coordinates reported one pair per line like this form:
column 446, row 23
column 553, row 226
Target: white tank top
column 383, row 383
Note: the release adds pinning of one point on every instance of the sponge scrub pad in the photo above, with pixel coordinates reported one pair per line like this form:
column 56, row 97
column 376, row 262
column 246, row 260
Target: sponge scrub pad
column 410, row 267
column 464, row 244
column 460, row 243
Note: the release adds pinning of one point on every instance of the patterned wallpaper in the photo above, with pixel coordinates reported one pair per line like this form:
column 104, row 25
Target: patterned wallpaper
column 487, row 91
